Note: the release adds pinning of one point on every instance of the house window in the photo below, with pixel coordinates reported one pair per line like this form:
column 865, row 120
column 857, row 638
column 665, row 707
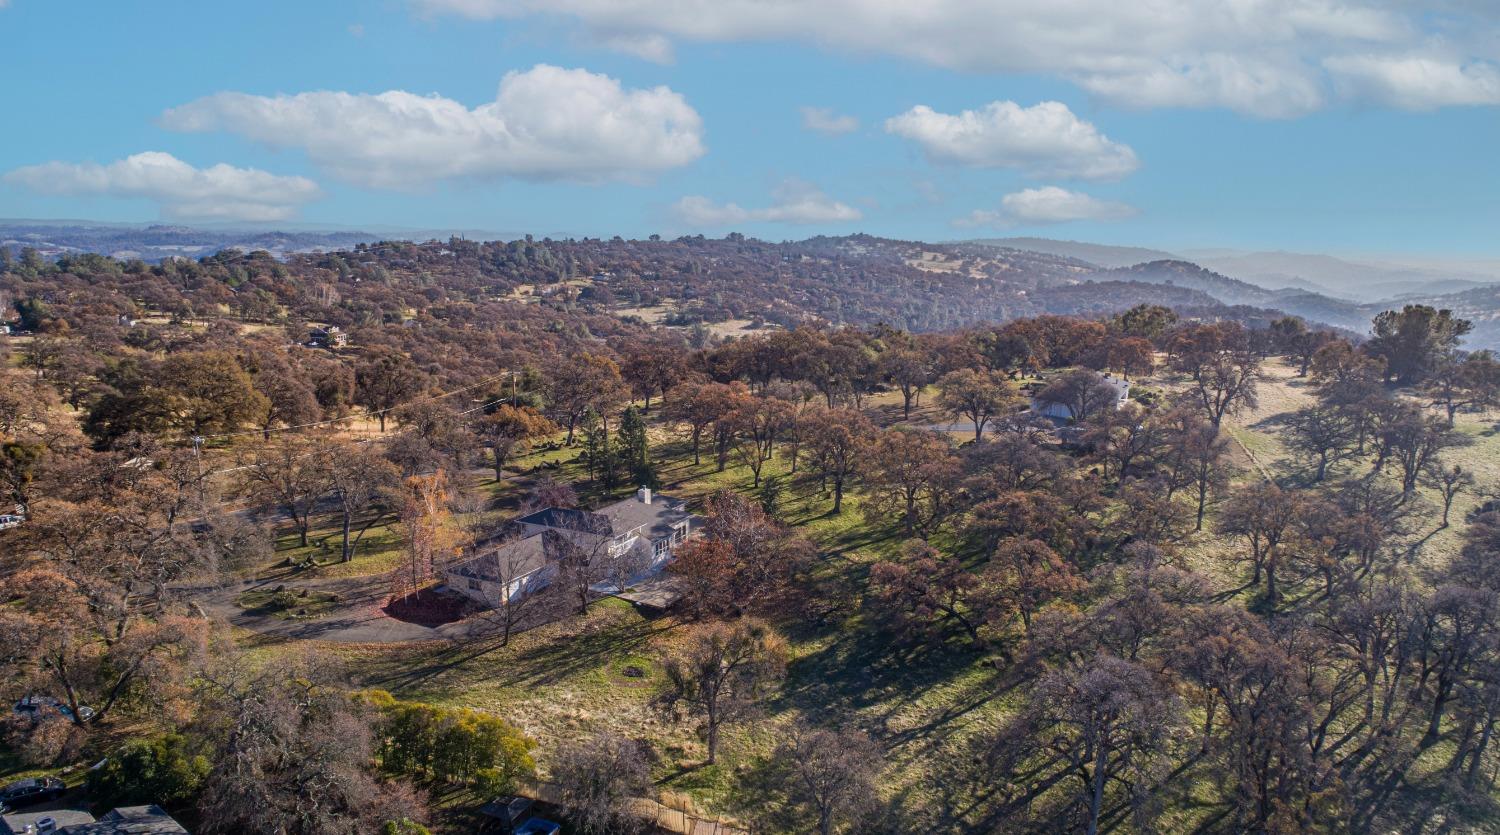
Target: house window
column 475, row 585
column 679, row 533
column 661, row 547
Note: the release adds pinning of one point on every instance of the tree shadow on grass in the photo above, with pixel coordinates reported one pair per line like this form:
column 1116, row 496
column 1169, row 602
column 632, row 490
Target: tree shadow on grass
column 544, row 663
column 860, row 671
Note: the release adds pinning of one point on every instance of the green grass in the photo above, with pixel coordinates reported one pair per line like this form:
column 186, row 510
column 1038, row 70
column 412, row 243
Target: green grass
column 378, row 552
column 926, row 705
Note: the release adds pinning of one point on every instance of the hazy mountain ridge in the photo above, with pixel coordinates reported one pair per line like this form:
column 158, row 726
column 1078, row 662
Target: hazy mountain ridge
column 863, row 278
column 1277, row 281
column 154, row 243
column 1101, row 255
column 1312, row 306
column 1361, row 279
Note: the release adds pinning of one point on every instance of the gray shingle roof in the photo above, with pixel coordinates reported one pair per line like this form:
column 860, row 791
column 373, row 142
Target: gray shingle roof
column 658, row 517
column 131, row 820
column 497, row 558
column 507, row 561
column 126, row 820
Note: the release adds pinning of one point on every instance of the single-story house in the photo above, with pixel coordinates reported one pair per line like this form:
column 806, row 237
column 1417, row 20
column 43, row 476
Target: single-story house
column 137, row 820
column 329, row 337
column 512, row 816
column 1063, row 413
column 644, row 529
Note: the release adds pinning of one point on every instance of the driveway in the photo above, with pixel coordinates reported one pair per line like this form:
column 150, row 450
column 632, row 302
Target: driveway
column 357, row 619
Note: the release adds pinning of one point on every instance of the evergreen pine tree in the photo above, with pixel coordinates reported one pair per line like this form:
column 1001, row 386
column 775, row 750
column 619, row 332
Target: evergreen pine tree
column 635, row 449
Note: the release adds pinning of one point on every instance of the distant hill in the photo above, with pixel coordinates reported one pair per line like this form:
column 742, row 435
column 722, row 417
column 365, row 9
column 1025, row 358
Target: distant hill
column 1187, row 274
column 1365, row 281
column 1314, row 307
column 1099, row 254
column 154, row 243
column 1480, row 305
column 855, row 279
column 1362, row 280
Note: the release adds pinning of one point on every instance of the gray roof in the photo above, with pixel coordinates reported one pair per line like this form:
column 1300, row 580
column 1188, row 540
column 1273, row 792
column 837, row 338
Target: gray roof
column 658, row 517
column 131, row 820
column 568, row 519
column 496, row 558
column 507, row 561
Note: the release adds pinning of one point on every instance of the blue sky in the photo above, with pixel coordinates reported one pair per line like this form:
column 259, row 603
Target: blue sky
column 1360, row 126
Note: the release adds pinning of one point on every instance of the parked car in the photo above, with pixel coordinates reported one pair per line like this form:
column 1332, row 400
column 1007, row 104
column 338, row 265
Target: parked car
column 539, row 826
column 35, row 706
column 33, row 790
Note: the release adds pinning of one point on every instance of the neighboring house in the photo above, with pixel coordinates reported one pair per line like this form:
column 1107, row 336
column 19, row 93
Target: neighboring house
column 136, row 820
column 512, row 816
column 1061, row 413
column 643, row 530
column 329, row 337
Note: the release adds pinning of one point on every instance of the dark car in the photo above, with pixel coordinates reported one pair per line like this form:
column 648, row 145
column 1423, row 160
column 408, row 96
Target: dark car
column 34, row 790
column 37, row 706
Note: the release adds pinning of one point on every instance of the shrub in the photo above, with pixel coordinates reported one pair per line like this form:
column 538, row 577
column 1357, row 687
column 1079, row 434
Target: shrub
column 164, row 770
column 456, row 746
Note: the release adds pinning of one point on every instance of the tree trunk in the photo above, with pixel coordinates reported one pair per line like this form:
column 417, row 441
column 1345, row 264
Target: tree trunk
column 713, row 738
column 1208, row 722
column 1096, row 797
column 344, row 553
column 1484, row 743
column 303, row 524
column 1439, row 707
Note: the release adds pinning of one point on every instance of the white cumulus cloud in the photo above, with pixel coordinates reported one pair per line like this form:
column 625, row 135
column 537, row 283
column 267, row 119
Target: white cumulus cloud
column 547, row 123
column 1261, row 57
column 221, row 192
column 825, row 121
column 1047, row 205
column 1044, row 140
column 794, row 202
column 1417, row 82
